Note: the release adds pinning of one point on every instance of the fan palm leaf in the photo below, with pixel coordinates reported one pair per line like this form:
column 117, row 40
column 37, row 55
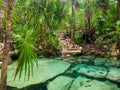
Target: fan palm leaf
column 27, row 56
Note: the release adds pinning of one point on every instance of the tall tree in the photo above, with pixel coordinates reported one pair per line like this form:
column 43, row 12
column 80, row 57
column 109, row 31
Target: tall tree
column 88, row 22
column 9, row 4
column 88, row 17
column 74, row 6
column 2, row 11
column 73, row 20
column 118, row 18
column 118, row 9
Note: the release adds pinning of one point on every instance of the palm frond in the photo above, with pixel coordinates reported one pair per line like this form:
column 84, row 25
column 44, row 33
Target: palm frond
column 27, row 57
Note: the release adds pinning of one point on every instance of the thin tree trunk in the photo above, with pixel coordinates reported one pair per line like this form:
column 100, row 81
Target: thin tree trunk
column 6, row 46
column 2, row 10
column 118, row 18
column 88, row 15
column 118, row 9
column 118, row 47
column 88, row 25
column 73, row 21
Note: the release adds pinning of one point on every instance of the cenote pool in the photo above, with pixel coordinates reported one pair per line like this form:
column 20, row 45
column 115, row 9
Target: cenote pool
column 71, row 73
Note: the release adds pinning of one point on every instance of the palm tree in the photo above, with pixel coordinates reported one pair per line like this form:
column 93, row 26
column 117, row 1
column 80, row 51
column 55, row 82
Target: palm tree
column 9, row 4
column 2, row 11
column 27, row 56
column 25, row 34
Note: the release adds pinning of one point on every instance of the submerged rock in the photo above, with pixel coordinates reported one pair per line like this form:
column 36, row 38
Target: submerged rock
column 47, row 69
column 93, row 71
column 112, row 63
column 78, row 82
column 89, row 57
column 100, row 61
column 110, row 73
column 60, row 83
column 113, row 86
column 61, row 75
column 70, row 59
column 114, row 74
column 95, row 85
column 86, row 59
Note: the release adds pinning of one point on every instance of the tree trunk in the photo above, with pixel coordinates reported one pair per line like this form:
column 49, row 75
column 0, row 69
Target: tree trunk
column 73, row 21
column 88, row 26
column 6, row 46
column 118, row 18
column 118, row 47
column 88, row 15
column 118, row 9
column 2, row 11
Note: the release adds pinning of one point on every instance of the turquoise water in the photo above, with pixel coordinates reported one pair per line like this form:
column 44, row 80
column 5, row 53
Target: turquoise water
column 73, row 73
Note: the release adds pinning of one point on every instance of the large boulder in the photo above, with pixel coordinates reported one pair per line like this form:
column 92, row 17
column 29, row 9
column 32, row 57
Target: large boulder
column 114, row 74
column 47, row 69
column 60, row 83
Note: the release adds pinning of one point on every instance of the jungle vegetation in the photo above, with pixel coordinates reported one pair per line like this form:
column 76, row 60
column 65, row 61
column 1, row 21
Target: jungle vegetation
column 30, row 28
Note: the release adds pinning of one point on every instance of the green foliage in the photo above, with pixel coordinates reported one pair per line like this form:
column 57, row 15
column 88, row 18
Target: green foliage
column 38, row 23
column 27, row 56
column 53, row 16
column 118, row 27
column 25, row 34
column 25, row 44
column 78, row 37
column 0, row 3
column 79, row 17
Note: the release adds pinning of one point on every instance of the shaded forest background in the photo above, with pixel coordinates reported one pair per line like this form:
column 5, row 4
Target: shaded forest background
column 93, row 24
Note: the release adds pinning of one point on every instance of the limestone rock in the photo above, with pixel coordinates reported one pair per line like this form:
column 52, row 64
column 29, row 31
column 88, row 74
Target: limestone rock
column 90, row 57
column 86, row 59
column 93, row 71
column 70, row 59
column 112, row 63
column 114, row 74
column 100, row 61
column 47, row 69
column 83, row 60
column 113, row 86
column 78, row 82
column 76, row 67
column 60, row 83
column 58, row 58
column 95, row 85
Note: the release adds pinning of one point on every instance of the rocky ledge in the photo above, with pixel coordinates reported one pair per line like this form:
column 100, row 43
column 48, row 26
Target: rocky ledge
column 87, row 77
column 98, row 72
column 100, row 61
column 61, row 75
